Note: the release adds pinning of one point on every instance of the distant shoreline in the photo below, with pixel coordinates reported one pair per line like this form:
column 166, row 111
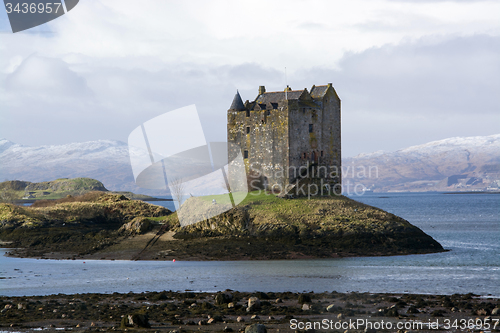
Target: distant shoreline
column 30, row 201
column 439, row 192
column 472, row 192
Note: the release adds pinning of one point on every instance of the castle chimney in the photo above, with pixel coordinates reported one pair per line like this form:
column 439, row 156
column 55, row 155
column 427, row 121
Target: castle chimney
column 329, row 85
column 262, row 89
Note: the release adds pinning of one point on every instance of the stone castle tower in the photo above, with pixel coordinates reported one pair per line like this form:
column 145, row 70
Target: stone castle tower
column 288, row 138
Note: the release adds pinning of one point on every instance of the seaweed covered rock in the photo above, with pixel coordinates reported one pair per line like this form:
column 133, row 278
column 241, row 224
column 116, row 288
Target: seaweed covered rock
column 223, row 298
column 256, row 328
column 135, row 320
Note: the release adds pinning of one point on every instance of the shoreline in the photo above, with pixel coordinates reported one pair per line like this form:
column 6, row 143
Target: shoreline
column 126, row 257
column 233, row 311
column 140, row 254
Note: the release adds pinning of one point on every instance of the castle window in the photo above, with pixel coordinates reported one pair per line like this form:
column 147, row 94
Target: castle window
column 248, row 113
column 245, row 154
column 310, row 128
column 248, row 129
column 303, row 110
column 305, row 155
column 268, row 112
column 321, row 153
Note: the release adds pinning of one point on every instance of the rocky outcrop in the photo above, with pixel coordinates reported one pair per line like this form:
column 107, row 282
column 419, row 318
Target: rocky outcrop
column 137, row 320
column 326, row 224
column 137, row 226
column 80, row 225
column 256, row 328
column 253, row 304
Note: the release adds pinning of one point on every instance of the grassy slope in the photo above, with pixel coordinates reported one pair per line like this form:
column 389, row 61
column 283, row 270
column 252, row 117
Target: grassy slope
column 79, row 225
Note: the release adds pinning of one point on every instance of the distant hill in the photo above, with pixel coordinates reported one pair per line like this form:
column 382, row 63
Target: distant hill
column 50, row 190
column 105, row 160
column 14, row 190
column 454, row 164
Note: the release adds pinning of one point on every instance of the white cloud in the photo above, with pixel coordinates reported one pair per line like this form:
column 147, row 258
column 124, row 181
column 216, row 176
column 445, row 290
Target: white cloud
column 46, row 76
column 111, row 65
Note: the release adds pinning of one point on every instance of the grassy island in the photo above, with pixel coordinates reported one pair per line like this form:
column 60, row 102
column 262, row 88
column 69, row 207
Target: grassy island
column 102, row 225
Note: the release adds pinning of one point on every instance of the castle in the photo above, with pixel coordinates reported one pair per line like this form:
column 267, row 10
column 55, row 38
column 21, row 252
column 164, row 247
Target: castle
column 288, row 137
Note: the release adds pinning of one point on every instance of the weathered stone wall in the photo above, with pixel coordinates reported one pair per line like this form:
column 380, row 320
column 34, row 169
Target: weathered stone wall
column 266, row 144
column 316, row 154
column 331, row 139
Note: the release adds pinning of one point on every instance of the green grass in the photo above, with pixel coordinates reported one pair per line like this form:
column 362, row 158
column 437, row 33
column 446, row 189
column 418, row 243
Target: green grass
column 224, row 198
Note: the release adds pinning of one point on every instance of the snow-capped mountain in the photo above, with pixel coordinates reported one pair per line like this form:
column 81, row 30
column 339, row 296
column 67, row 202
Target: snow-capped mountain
column 439, row 165
column 105, row 160
column 429, row 166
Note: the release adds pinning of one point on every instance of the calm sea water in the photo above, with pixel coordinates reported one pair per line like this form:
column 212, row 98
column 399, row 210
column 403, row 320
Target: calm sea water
column 466, row 224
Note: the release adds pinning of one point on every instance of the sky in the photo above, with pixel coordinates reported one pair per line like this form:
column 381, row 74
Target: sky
column 407, row 71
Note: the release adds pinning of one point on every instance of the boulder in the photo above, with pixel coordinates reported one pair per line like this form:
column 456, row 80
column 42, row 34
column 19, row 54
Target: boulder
column 261, row 295
column 135, row 320
column 412, row 310
column 495, row 311
column 256, row 328
column 253, row 304
column 316, row 307
column 223, row 298
column 392, row 312
column 306, row 307
column 215, row 319
column 304, row 298
column 137, row 226
column 482, row 312
column 330, row 308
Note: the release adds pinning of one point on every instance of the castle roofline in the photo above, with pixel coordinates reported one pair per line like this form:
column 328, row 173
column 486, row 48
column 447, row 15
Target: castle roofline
column 277, row 96
column 237, row 103
column 320, row 91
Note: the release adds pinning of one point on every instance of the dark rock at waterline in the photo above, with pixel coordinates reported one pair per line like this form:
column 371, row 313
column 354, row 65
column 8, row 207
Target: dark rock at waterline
column 223, row 298
column 412, row 310
column 304, row 298
column 135, row 320
column 256, row 328
column 253, row 304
